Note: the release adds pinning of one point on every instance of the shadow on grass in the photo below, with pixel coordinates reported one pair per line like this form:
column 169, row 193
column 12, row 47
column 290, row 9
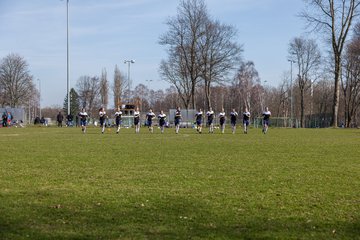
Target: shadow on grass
column 162, row 218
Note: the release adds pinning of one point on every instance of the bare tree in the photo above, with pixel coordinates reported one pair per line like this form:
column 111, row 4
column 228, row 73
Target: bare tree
column 88, row 91
column 141, row 95
column 335, row 17
column 183, row 39
column 17, row 85
column 118, row 86
column 104, row 89
column 306, row 54
column 219, row 54
column 350, row 83
column 248, row 82
column 322, row 102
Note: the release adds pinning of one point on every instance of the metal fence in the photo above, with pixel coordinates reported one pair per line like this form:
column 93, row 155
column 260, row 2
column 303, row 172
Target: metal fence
column 18, row 114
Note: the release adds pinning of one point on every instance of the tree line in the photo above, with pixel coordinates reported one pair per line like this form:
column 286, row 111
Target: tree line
column 205, row 68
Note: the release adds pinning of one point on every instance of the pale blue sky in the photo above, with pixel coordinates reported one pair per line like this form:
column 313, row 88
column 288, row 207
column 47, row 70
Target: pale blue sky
column 106, row 32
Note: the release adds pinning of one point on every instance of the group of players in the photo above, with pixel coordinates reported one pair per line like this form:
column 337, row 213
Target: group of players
column 150, row 116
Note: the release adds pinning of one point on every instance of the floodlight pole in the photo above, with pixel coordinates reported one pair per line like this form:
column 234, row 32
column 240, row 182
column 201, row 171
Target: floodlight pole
column 67, row 58
column 39, row 96
column 291, row 91
column 128, row 62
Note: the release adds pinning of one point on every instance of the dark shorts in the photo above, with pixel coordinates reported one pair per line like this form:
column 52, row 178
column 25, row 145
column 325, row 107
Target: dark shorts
column 210, row 122
column 161, row 123
column 222, row 121
column 136, row 121
column 83, row 122
column 118, row 122
column 233, row 123
column 149, row 123
column 246, row 122
column 177, row 122
column 198, row 122
column 102, row 121
column 266, row 122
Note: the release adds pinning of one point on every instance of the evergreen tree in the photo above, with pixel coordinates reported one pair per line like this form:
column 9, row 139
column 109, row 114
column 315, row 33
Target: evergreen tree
column 74, row 103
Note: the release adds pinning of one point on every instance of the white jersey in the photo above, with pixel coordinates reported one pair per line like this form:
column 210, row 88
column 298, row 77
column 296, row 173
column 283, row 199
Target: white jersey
column 222, row 114
column 162, row 115
column 136, row 114
column 235, row 114
column 209, row 113
column 83, row 115
column 266, row 115
column 198, row 115
column 150, row 116
column 117, row 114
column 246, row 115
column 102, row 114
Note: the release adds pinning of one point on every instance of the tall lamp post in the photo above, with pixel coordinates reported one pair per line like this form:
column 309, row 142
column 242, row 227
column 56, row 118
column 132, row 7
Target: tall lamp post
column 39, row 96
column 291, row 91
column 128, row 62
column 67, row 58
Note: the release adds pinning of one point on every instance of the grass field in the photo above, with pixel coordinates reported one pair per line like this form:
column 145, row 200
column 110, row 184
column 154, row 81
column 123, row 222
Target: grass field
column 289, row 184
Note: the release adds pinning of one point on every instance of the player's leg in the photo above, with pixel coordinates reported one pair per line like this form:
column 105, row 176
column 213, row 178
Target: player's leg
column 102, row 123
column 266, row 126
column 151, row 129
column 84, row 126
column 117, row 126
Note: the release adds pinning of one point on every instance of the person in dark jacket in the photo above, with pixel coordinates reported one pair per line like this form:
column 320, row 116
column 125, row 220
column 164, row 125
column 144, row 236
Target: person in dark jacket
column 59, row 119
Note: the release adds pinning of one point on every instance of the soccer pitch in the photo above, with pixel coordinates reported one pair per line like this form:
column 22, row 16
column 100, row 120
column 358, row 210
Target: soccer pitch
column 288, row 184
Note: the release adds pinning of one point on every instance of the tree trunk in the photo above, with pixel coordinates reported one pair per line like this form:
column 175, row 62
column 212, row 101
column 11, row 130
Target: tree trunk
column 193, row 97
column 207, row 95
column 336, row 98
column 302, row 109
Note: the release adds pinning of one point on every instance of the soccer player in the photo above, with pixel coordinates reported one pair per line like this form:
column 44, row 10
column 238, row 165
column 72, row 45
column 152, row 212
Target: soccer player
column 246, row 120
column 162, row 122
column 83, row 117
column 177, row 119
column 137, row 120
column 102, row 118
column 210, row 117
column 118, row 114
column 149, row 117
column 222, row 119
column 198, row 117
column 233, row 118
column 266, row 120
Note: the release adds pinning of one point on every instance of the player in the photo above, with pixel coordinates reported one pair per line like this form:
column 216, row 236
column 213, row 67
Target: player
column 210, row 117
column 83, row 117
column 118, row 114
column 177, row 120
column 137, row 120
column 222, row 119
column 149, row 117
column 162, row 122
column 266, row 120
column 233, row 119
column 246, row 120
column 102, row 118
column 198, row 117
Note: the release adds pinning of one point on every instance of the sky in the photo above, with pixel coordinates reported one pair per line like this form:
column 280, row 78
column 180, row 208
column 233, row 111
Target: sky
column 104, row 33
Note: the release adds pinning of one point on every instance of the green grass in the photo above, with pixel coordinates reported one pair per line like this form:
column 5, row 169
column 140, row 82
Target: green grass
column 289, row 184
